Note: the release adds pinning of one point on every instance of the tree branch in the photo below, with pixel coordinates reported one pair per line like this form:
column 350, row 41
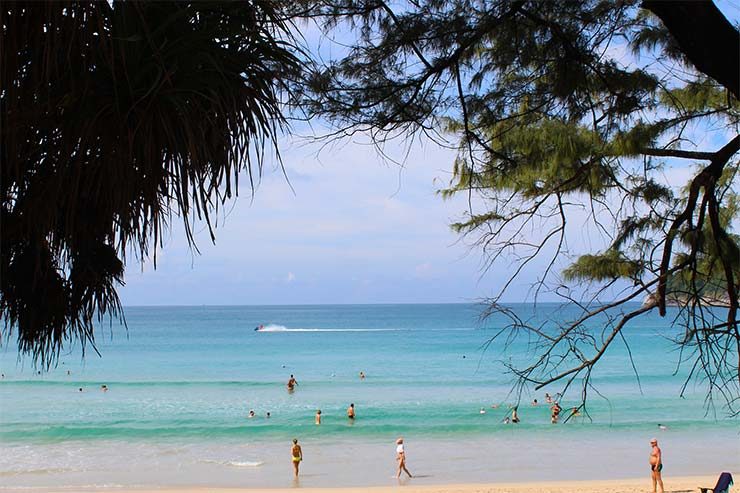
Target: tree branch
column 707, row 38
column 679, row 153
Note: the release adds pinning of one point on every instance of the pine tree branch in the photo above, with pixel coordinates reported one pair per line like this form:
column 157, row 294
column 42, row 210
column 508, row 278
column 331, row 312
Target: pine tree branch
column 679, row 153
column 705, row 179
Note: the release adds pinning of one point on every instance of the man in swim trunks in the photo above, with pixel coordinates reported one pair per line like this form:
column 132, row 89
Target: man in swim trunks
column 401, row 458
column 351, row 412
column 656, row 465
column 291, row 383
column 296, row 456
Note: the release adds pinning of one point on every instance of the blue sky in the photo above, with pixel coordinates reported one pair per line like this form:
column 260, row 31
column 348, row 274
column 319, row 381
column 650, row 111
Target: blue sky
column 353, row 229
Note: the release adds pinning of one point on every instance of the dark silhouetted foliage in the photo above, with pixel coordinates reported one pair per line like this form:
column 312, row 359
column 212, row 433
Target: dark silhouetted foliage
column 118, row 118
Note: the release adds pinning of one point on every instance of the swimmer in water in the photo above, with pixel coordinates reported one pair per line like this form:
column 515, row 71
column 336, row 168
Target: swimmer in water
column 362, row 375
column 555, row 413
column 251, row 413
column 482, row 411
column 318, row 416
column 351, row 412
column 514, row 415
column 292, row 382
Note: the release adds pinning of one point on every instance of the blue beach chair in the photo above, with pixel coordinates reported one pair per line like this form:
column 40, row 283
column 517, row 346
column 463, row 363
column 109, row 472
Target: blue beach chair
column 723, row 484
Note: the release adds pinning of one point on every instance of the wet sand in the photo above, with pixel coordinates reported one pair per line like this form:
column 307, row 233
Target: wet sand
column 637, row 485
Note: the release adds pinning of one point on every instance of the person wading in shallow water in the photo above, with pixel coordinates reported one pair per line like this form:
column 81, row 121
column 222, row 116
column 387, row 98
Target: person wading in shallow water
column 656, row 465
column 291, row 383
column 296, row 456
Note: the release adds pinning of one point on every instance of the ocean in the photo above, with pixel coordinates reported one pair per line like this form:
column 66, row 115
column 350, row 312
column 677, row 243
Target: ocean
column 182, row 380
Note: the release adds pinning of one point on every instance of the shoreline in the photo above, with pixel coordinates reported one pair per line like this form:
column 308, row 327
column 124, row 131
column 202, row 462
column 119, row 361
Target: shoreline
column 682, row 484
column 614, row 463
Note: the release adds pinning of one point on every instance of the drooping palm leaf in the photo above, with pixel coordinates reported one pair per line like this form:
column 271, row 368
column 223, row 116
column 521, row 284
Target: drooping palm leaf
column 115, row 119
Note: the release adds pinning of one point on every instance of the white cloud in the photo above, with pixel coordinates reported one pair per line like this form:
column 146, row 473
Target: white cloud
column 349, row 215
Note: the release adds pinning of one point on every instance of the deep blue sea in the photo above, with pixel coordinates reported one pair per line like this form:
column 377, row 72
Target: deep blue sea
column 182, row 380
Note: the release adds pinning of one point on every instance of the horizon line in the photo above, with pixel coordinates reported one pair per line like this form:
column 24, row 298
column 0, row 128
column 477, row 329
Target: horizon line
column 480, row 302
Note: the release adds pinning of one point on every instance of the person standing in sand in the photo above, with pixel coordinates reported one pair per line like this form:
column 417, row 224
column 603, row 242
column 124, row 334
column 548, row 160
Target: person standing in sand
column 401, row 458
column 656, row 465
column 296, row 456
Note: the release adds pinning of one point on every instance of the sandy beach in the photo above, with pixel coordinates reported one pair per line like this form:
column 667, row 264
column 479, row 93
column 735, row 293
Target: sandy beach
column 684, row 484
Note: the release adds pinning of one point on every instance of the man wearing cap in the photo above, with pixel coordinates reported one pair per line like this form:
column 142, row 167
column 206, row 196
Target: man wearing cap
column 656, row 465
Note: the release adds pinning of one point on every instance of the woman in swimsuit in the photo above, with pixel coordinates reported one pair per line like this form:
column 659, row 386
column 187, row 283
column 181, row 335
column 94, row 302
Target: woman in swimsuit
column 401, row 458
column 296, row 456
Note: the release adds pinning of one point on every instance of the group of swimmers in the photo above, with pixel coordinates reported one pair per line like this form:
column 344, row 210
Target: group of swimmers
column 555, row 411
column 291, row 385
column 252, row 414
column 103, row 388
column 350, row 414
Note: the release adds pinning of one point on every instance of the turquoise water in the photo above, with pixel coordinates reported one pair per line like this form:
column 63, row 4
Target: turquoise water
column 185, row 378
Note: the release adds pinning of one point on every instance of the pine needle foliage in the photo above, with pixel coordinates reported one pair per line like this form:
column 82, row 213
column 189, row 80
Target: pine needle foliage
column 557, row 108
column 119, row 118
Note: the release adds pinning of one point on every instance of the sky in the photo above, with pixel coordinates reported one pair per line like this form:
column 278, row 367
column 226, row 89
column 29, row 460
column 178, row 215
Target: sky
column 346, row 226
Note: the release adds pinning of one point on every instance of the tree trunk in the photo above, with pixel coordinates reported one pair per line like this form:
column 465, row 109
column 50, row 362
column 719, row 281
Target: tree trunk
column 707, row 38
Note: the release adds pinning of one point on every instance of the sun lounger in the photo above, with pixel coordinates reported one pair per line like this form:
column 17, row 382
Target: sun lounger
column 723, row 484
